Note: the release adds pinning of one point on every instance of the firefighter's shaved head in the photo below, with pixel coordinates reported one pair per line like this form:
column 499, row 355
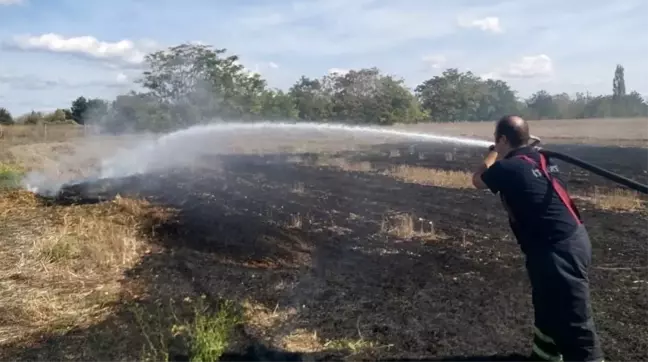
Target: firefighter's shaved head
column 515, row 129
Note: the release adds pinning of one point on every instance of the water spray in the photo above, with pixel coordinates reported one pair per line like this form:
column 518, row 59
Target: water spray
column 184, row 146
column 634, row 185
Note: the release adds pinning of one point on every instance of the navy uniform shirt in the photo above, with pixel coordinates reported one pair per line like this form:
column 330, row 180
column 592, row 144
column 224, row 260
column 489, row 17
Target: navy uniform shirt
column 537, row 215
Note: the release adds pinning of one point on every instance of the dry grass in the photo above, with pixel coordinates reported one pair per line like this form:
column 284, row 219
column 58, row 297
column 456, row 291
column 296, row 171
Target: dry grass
column 405, row 226
column 411, row 174
column 604, row 131
column 344, row 164
column 613, row 199
column 298, row 188
column 62, row 264
column 22, row 134
column 616, row 199
column 432, row 176
column 296, row 221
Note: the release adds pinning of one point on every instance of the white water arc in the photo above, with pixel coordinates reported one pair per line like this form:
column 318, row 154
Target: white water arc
column 183, row 146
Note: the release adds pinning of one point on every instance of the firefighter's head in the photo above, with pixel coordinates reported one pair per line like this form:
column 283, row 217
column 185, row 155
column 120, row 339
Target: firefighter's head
column 511, row 132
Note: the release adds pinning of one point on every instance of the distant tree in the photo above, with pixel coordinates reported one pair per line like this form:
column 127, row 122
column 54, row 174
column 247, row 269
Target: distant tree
column 189, row 84
column 5, row 117
column 137, row 112
column 58, row 116
column 84, row 110
column 78, row 108
column 278, row 105
column 200, row 83
column 31, row 118
column 367, row 96
column 618, row 83
column 496, row 99
column 312, row 98
column 462, row 96
column 543, row 106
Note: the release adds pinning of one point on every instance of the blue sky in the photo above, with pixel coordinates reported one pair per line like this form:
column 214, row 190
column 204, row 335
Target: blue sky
column 52, row 51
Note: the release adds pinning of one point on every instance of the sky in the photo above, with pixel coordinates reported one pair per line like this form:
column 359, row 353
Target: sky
column 52, row 51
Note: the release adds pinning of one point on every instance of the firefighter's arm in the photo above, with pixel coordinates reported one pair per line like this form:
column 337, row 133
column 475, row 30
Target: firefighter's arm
column 490, row 159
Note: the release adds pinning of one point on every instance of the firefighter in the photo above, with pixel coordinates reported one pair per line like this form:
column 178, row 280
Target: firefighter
column 551, row 235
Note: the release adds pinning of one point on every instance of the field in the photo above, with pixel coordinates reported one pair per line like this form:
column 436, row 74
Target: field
column 286, row 248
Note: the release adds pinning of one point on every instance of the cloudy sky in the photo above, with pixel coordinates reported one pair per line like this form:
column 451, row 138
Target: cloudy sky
column 52, row 51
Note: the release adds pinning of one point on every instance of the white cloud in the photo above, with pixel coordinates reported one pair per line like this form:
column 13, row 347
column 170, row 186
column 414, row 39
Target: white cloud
column 434, row 61
column 126, row 50
column 121, row 78
column 11, row 2
column 310, row 36
column 490, row 24
column 531, row 66
column 273, row 65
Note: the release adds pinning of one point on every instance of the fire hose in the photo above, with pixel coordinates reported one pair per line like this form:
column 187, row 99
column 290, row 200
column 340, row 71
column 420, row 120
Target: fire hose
column 592, row 168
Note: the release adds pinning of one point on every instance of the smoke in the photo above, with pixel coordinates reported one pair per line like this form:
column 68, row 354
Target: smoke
column 184, row 88
column 184, row 147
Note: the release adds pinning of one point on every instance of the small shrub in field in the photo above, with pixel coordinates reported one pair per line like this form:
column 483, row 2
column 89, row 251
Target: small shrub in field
column 10, row 176
column 203, row 335
column 210, row 333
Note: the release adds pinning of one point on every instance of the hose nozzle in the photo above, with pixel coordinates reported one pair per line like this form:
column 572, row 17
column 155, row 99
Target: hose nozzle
column 535, row 141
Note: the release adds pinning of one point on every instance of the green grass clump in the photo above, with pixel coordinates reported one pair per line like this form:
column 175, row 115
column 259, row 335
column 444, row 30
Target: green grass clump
column 209, row 333
column 191, row 329
column 10, row 176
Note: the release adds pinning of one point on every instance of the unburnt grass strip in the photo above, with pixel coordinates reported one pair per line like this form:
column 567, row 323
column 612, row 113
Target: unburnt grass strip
column 62, row 264
column 63, row 274
column 615, row 199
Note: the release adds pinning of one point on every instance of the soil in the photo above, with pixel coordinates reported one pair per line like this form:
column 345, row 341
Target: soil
column 307, row 244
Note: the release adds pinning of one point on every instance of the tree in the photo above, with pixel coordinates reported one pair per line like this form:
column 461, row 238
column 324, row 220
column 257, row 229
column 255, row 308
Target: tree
column 5, row 117
column 542, row 106
column 58, row 116
column 496, row 99
column 618, row 83
column 189, row 84
column 277, row 105
column 458, row 96
column 367, row 96
column 31, row 118
column 78, row 108
column 199, row 84
column 312, row 98
column 137, row 112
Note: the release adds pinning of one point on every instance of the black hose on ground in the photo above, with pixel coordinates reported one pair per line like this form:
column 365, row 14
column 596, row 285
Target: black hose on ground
column 597, row 170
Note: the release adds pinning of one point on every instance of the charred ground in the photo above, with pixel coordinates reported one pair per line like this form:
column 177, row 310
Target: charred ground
column 333, row 263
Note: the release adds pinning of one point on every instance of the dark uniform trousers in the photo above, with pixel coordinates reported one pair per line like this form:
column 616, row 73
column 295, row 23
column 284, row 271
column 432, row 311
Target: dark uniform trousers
column 564, row 324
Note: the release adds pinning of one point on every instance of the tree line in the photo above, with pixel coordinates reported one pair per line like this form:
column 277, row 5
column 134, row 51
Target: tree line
column 189, row 84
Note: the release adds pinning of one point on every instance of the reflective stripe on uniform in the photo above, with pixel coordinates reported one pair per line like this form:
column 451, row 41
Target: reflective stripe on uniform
column 544, row 355
column 543, row 336
column 545, row 347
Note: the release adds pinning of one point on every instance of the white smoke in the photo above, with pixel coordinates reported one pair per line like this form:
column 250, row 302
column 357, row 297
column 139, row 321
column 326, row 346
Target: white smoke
column 184, row 146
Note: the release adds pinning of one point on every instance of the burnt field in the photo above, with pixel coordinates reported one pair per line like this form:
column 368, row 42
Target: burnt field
column 360, row 255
